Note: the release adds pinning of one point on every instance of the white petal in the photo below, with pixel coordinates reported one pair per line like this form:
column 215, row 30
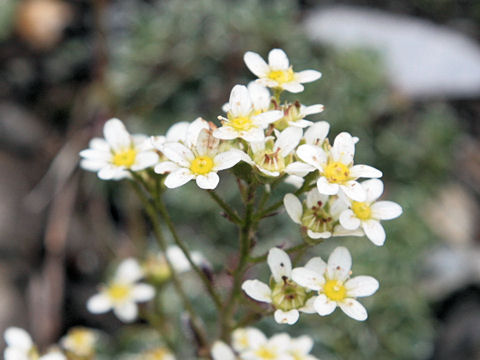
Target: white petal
column 354, row 190
column 293, row 87
column 141, row 142
column 18, row 338
column 365, row 171
column 247, row 338
column 178, row 153
column 158, row 142
column 259, row 95
column 126, row 312
column 257, row 290
column 288, row 140
column 374, row 231
column 339, row 230
column 316, row 134
column 327, row 188
column 302, row 344
column 256, row 64
column 96, row 155
column 354, row 309
column 299, row 169
column 294, row 180
column 343, row 148
column 309, row 307
column 178, row 178
column 116, row 134
column 307, row 76
column 194, row 130
column 312, row 109
column 318, row 235
column 92, row 165
column 314, row 198
column 316, row 264
column 208, row 181
column 178, row 259
column 373, row 188
column 253, row 135
column 348, row 220
column 278, row 60
column 206, row 144
column 302, row 123
column 386, row 210
column 225, row 133
column 360, row 286
column 99, row 144
column 312, row 155
column 177, row 132
column 323, row 305
column 15, row 354
column 286, row 317
column 227, row 159
column 110, row 172
column 221, row 351
column 143, row 292
column 55, row 355
column 339, row 264
column 279, row 263
column 293, row 207
column 240, row 103
column 267, row 117
column 145, row 160
column 99, row 303
column 308, row 278
column 128, row 271
column 166, row 167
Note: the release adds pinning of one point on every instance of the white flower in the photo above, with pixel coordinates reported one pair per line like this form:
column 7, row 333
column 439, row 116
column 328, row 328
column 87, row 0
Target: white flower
column 319, row 214
column 247, row 338
column 122, row 293
column 336, row 168
column 53, row 355
column 334, row 286
column 176, row 133
column 119, row 152
column 199, row 158
column 275, row 348
column 19, row 345
column 156, row 354
column 367, row 214
column 287, row 307
column 300, row 348
column 221, row 351
column 278, row 73
column 272, row 158
column 243, row 120
column 79, row 341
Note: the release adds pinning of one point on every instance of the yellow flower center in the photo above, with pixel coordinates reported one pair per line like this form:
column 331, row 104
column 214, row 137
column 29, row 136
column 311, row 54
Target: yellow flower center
column 118, row 292
column 125, row 157
column 242, row 123
column 336, row 172
column 80, row 342
column 157, row 354
column 266, row 354
column 362, row 210
column 157, row 268
column 281, row 76
column 201, row 165
column 335, row 290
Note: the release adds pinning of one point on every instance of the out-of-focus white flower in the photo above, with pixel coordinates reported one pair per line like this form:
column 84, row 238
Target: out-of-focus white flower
column 334, row 286
column 319, row 214
column 300, row 348
column 53, row 355
column 275, row 348
column 221, row 351
column 119, row 152
column 243, row 119
column 247, row 338
column 367, row 214
column 336, row 168
column 278, row 73
column 200, row 157
column 122, row 293
column 160, row 353
column 79, row 341
column 19, row 345
column 272, row 158
column 287, row 297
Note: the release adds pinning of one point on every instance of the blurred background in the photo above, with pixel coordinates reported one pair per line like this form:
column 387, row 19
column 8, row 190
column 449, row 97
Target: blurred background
column 403, row 76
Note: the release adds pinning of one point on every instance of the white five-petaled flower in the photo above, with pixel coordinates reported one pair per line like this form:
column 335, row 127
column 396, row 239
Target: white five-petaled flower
column 367, row 214
column 21, row 347
column 318, row 214
column 272, row 158
column 336, row 168
column 79, row 341
column 119, row 152
column 243, row 120
column 122, row 293
column 334, row 286
column 287, row 297
column 278, row 73
column 200, row 157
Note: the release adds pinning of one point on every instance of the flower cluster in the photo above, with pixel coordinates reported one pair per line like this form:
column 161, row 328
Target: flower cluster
column 252, row 344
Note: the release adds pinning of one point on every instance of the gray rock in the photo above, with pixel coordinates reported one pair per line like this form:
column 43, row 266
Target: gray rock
column 423, row 59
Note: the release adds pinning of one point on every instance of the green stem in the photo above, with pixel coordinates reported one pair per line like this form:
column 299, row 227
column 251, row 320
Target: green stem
column 150, row 209
column 231, row 214
column 179, row 242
